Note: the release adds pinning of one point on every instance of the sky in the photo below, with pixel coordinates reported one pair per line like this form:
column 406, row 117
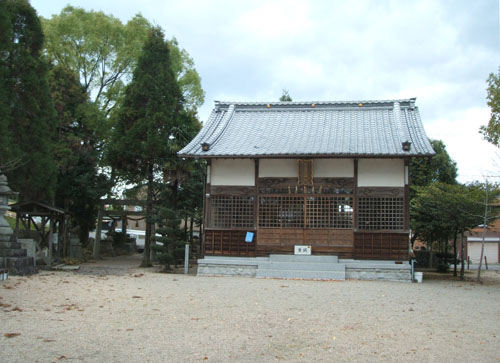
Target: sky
column 440, row 52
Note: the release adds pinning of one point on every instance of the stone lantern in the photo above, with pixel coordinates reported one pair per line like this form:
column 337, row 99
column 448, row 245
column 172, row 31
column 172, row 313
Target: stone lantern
column 12, row 256
column 5, row 193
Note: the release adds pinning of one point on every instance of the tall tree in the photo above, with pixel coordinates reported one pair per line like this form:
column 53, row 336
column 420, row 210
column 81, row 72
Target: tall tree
column 5, row 43
column 98, row 47
column 104, row 52
column 152, row 108
column 79, row 121
column 491, row 131
column 30, row 113
column 440, row 168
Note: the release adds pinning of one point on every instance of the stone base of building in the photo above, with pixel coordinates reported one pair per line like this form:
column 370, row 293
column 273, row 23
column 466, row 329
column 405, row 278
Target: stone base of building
column 304, row 267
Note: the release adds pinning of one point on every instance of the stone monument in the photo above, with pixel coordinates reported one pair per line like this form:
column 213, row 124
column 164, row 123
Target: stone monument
column 12, row 256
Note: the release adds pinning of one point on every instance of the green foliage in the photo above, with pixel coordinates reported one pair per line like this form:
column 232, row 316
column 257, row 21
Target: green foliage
column 104, row 52
column 98, row 47
column 79, row 184
column 28, row 116
column 285, row 96
column 170, row 246
column 440, row 168
column 150, row 117
column 150, row 111
column 5, row 42
column 439, row 210
column 491, row 132
column 187, row 77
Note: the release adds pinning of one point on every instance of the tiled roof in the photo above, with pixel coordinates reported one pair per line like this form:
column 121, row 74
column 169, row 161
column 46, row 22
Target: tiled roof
column 280, row 129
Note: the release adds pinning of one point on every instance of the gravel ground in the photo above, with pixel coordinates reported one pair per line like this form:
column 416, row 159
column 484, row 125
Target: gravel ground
column 112, row 311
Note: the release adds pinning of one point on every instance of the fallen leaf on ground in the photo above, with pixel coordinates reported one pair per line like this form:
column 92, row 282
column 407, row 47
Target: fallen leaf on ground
column 11, row 335
column 17, row 308
column 136, row 297
column 61, row 357
column 48, row 340
column 138, row 275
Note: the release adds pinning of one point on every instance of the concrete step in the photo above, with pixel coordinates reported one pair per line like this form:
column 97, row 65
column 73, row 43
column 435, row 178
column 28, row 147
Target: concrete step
column 13, row 252
column 302, row 266
column 301, row 258
column 225, row 260
column 301, row 274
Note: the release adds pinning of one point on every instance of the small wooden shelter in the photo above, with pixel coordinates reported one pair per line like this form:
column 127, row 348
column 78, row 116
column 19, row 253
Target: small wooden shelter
column 330, row 175
column 56, row 219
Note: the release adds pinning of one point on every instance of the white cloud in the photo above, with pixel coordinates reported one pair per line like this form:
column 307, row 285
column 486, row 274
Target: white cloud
column 438, row 51
column 459, row 130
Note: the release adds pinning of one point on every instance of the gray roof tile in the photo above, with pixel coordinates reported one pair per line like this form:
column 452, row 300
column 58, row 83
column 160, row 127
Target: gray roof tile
column 255, row 129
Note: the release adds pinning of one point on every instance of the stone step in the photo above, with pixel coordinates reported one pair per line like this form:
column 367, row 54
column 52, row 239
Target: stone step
column 301, row 274
column 18, row 265
column 12, row 252
column 10, row 244
column 302, row 266
column 301, row 258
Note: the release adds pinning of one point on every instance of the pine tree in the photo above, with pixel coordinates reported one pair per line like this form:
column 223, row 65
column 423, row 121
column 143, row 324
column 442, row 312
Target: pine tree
column 29, row 116
column 150, row 112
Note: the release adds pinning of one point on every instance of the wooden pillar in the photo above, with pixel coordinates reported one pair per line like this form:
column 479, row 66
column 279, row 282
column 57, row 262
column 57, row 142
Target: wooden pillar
column 124, row 226
column 407, row 196
column 97, row 240
column 206, row 208
column 65, row 235
column 256, row 206
column 51, row 226
column 355, row 197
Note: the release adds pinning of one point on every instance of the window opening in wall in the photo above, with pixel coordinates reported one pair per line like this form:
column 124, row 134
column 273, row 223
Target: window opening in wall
column 231, row 211
column 377, row 213
column 305, row 212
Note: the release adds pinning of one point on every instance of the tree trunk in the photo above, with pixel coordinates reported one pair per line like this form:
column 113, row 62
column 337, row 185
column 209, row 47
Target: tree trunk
column 455, row 253
column 462, row 269
column 83, row 234
column 485, row 221
column 146, row 258
column 191, row 223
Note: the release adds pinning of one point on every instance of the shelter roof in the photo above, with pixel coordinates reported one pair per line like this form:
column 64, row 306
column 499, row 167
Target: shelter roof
column 311, row 129
column 36, row 208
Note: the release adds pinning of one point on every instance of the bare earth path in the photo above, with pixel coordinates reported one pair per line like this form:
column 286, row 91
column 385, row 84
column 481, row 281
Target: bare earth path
column 113, row 311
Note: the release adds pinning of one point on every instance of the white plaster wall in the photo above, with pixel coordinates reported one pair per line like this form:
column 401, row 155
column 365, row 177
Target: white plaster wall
column 283, row 168
column 381, row 173
column 333, row 168
column 232, row 172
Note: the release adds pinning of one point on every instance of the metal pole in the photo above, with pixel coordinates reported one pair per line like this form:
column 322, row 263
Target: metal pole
column 186, row 259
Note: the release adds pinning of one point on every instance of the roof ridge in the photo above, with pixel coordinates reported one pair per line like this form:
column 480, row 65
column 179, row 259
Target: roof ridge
column 409, row 101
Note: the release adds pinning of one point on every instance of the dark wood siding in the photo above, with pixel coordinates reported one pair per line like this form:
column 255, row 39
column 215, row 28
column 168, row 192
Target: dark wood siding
column 323, row 241
column 228, row 243
column 381, row 246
